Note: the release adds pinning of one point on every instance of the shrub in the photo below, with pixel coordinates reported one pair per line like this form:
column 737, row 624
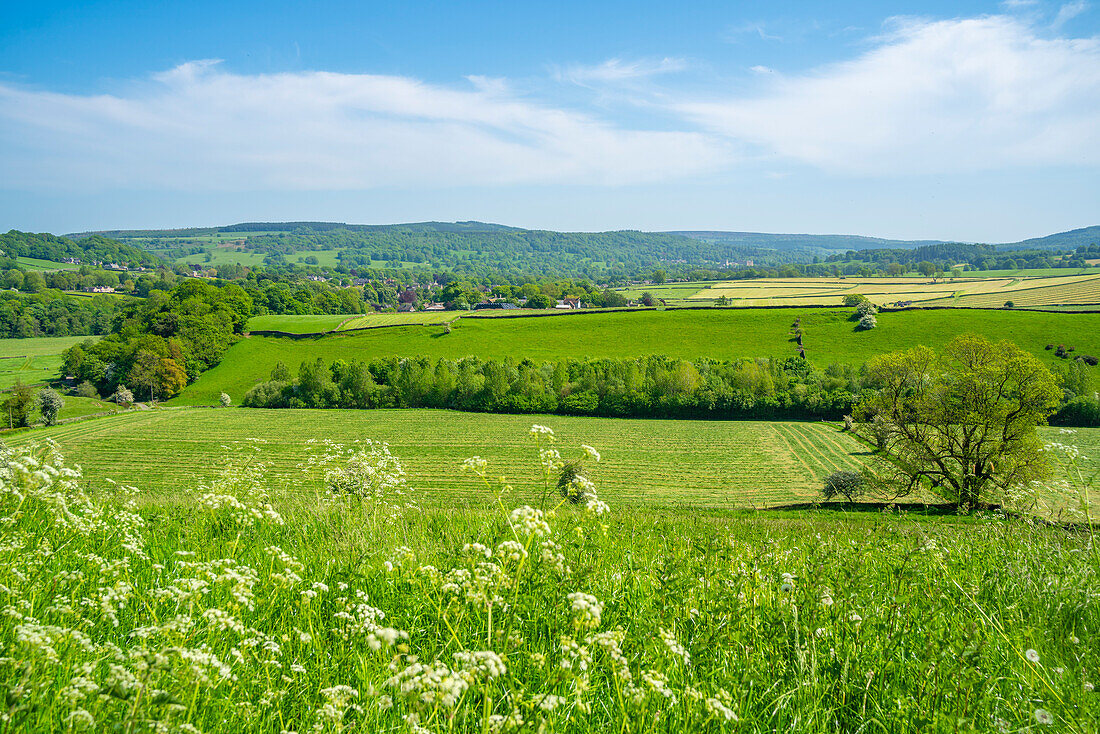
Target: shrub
column 866, row 308
column 225, row 400
column 1088, row 359
column 847, row 483
column 50, row 404
column 573, row 486
column 854, row 299
column 86, row 390
column 867, row 322
column 1009, row 304
column 123, row 396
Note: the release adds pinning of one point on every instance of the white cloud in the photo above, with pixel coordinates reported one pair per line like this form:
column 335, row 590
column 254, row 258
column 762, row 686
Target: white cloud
column 618, row 70
column 199, row 127
column 962, row 95
column 1068, row 12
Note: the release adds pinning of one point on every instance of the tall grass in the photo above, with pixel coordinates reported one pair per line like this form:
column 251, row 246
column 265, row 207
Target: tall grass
column 241, row 607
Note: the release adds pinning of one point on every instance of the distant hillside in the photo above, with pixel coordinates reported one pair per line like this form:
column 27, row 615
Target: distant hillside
column 1062, row 241
column 805, row 242
column 478, row 248
column 473, row 248
column 95, row 248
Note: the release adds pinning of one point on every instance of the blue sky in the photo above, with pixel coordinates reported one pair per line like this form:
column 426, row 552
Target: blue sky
column 975, row 121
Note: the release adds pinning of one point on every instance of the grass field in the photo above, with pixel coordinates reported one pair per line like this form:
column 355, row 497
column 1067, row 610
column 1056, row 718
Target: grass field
column 828, row 334
column 645, row 462
column 247, row 607
column 35, row 360
column 295, row 324
column 225, row 256
column 31, row 263
column 372, row 320
column 986, row 292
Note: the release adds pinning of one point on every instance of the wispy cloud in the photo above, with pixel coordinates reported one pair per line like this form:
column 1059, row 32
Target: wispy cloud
column 974, row 94
column 1068, row 12
column 198, row 126
column 618, row 70
column 750, row 28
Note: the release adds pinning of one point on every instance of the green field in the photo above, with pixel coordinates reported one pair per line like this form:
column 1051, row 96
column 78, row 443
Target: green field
column 34, row 360
column 31, row 263
column 295, row 324
column 645, row 462
column 225, row 256
column 828, row 334
column 373, row 320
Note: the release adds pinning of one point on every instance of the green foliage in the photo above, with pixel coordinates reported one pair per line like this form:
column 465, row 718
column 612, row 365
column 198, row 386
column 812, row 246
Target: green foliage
column 158, row 344
column 86, row 390
column 95, row 248
column 19, row 405
column 846, row 483
column 963, row 422
column 644, row 387
column 53, row 314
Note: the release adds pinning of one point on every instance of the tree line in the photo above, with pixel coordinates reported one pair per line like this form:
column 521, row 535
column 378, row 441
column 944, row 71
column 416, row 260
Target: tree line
column 650, row 387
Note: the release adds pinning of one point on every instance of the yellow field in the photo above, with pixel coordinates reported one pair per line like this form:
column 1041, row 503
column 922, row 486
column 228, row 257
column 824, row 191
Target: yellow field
column 961, row 292
column 373, row 320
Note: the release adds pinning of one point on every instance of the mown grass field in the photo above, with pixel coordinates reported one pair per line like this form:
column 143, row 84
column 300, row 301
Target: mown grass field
column 985, row 292
column 34, row 360
column 645, row 462
column 828, row 334
column 372, row 320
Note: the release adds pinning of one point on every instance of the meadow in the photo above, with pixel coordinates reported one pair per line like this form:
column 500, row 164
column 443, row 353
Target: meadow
column 298, row 324
column 351, row 602
column 648, row 462
column 35, row 360
column 828, row 335
column 33, row 263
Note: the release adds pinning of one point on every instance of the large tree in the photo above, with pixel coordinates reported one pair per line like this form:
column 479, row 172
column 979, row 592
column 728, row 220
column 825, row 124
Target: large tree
column 963, row 423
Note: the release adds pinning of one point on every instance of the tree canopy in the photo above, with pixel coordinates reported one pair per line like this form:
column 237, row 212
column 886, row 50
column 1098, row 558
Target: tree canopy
column 963, row 423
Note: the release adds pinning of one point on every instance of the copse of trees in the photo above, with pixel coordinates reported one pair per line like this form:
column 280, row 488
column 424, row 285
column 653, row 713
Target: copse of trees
column 158, row 345
column 645, row 387
column 53, row 314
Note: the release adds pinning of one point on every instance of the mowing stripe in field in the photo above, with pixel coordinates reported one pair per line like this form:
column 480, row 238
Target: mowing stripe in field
column 663, row 462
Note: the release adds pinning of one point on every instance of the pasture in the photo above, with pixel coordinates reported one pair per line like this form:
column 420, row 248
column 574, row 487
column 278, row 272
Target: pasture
column 829, row 336
column 645, row 462
column 298, row 324
column 35, row 360
column 33, row 263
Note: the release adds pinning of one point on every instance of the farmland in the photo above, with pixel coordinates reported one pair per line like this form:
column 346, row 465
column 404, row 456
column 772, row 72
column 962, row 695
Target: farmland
column 298, row 324
column 829, row 336
column 965, row 292
column 33, row 360
column 645, row 462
